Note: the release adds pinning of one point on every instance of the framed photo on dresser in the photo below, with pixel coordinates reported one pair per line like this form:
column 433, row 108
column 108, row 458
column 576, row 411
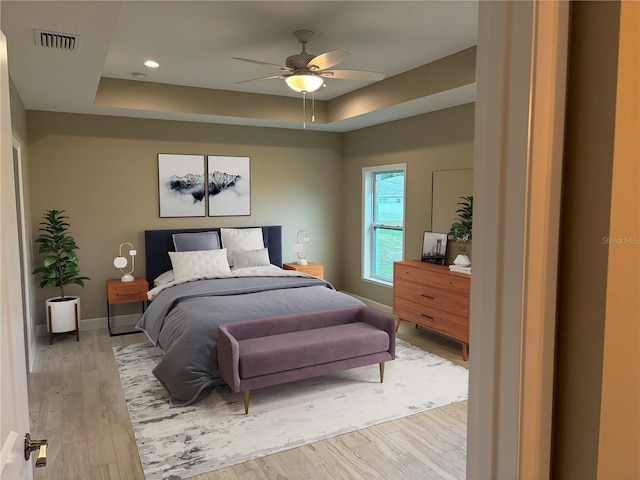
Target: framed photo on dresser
column 434, row 248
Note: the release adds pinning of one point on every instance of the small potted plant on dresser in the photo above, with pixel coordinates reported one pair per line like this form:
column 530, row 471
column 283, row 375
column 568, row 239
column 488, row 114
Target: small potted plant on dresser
column 59, row 268
column 461, row 231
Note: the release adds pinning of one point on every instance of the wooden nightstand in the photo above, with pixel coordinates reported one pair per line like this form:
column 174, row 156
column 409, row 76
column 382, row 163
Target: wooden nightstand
column 315, row 269
column 125, row 292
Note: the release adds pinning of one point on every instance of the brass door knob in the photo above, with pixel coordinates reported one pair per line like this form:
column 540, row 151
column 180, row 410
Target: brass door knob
column 32, row 446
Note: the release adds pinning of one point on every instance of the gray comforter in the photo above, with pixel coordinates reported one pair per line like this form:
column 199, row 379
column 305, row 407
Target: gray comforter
column 183, row 322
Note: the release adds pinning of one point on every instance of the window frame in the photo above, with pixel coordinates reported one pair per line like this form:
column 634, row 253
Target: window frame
column 369, row 227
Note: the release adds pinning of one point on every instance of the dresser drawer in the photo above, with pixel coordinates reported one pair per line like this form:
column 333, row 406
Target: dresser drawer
column 455, row 303
column 458, row 283
column 443, row 322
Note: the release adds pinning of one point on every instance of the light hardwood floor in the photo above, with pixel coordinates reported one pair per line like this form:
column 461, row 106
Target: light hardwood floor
column 76, row 401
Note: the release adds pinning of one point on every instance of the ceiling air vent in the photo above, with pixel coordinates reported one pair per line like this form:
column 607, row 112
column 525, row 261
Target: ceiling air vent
column 57, row 41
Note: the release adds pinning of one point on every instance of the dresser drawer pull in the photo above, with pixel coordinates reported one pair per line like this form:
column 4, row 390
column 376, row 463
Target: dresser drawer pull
column 427, row 296
column 426, row 316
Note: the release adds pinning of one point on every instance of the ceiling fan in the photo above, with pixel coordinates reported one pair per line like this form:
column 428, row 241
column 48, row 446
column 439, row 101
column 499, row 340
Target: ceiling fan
column 304, row 72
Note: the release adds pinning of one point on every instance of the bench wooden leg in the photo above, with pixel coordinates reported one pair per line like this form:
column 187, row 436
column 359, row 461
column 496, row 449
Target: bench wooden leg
column 398, row 322
column 246, row 401
column 381, row 372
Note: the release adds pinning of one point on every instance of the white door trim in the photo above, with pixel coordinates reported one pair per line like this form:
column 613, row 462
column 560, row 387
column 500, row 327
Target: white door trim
column 14, row 399
column 521, row 71
column 31, row 340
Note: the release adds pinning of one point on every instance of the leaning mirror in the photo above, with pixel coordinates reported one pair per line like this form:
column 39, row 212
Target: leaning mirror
column 447, row 188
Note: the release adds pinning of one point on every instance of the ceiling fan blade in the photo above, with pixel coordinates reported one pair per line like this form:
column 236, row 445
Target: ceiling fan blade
column 281, row 67
column 327, row 60
column 262, row 78
column 352, row 75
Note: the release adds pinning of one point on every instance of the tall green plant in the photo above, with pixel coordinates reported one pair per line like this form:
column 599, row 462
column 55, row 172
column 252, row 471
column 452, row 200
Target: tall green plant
column 60, row 266
column 461, row 230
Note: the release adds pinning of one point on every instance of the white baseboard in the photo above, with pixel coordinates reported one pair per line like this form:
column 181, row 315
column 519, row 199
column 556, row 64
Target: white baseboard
column 130, row 320
column 97, row 323
column 371, row 303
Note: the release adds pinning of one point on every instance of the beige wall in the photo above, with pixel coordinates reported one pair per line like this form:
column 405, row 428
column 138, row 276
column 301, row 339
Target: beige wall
column 597, row 393
column 18, row 114
column 585, row 221
column 619, row 442
column 103, row 171
column 441, row 140
column 448, row 73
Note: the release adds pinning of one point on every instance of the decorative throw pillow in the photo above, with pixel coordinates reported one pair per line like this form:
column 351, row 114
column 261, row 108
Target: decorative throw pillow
column 166, row 277
column 199, row 264
column 234, row 239
column 191, row 242
column 250, row 258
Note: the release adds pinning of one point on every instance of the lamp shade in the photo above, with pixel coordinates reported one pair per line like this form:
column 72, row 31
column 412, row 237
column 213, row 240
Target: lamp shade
column 298, row 247
column 304, row 82
column 121, row 262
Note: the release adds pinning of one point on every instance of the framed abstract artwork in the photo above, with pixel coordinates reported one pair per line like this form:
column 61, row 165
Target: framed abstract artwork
column 434, row 248
column 229, row 185
column 181, row 185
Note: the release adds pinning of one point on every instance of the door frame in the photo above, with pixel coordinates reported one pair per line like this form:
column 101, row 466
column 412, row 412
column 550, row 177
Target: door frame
column 31, row 338
column 518, row 152
column 14, row 403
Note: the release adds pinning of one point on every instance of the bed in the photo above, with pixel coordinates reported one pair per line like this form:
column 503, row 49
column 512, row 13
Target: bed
column 183, row 314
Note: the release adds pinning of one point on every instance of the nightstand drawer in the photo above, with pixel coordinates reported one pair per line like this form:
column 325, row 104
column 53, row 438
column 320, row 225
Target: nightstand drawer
column 315, row 269
column 126, row 292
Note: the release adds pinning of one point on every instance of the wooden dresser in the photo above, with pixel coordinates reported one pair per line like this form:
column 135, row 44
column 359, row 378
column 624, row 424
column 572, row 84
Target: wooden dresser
column 434, row 297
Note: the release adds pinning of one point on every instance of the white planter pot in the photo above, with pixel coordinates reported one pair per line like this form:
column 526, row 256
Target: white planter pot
column 61, row 315
column 462, row 260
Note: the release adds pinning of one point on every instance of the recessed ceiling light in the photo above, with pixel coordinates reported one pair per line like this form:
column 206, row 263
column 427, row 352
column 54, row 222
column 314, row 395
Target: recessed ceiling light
column 151, row 64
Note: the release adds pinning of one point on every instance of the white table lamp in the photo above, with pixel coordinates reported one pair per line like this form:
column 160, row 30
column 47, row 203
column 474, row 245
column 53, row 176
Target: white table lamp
column 120, row 262
column 299, row 248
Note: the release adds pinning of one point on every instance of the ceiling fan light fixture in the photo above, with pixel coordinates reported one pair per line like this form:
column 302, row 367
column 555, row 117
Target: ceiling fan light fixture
column 304, row 82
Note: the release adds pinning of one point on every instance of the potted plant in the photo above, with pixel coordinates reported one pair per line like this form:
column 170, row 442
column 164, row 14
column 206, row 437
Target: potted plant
column 59, row 268
column 461, row 230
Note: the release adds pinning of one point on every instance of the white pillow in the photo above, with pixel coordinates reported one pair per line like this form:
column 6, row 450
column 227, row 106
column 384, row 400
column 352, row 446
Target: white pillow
column 241, row 239
column 199, row 264
column 250, row 258
column 166, row 277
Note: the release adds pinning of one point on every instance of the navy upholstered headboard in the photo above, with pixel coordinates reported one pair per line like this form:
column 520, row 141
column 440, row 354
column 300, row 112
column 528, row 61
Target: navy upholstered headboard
column 159, row 242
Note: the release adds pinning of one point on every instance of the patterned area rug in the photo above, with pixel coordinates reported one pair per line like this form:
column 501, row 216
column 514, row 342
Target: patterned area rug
column 214, row 432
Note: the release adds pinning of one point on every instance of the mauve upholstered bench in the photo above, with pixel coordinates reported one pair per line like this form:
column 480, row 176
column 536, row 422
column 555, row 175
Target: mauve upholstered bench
column 269, row 351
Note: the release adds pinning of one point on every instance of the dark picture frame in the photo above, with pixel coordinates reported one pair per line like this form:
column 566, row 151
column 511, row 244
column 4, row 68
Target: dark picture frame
column 434, row 248
column 181, row 187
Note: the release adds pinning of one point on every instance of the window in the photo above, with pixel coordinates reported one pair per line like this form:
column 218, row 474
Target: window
column 383, row 221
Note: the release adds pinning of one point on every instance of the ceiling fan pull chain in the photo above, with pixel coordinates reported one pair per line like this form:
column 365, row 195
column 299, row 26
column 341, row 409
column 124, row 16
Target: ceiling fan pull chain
column 313, row 107
column 304, row 110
